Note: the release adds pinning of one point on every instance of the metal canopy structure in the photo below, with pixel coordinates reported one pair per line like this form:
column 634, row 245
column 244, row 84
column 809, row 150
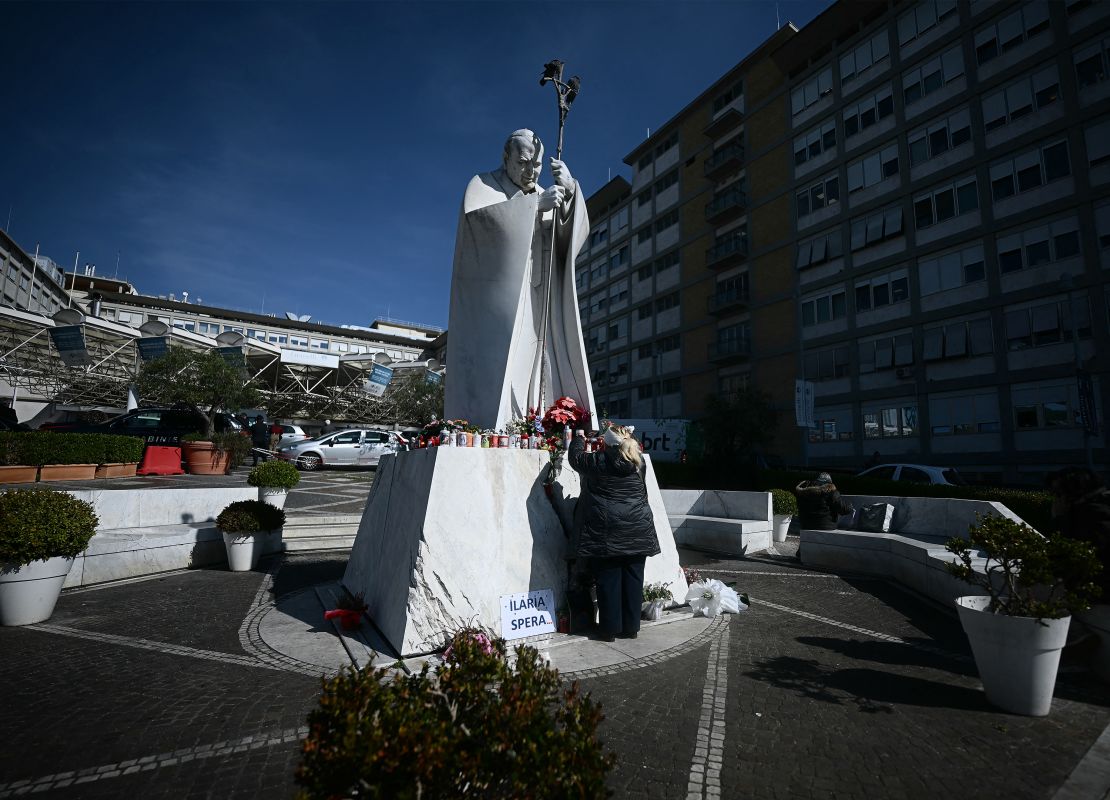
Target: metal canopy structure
column 91, row 362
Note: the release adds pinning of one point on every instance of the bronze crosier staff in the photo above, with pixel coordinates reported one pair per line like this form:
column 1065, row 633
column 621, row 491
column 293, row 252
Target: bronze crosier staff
column 565, row 94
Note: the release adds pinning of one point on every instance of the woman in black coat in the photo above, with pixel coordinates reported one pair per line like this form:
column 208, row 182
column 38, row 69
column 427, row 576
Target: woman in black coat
column 618, row 530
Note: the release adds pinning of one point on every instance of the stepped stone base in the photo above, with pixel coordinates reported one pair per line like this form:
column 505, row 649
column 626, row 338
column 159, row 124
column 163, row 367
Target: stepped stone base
column 447, row 531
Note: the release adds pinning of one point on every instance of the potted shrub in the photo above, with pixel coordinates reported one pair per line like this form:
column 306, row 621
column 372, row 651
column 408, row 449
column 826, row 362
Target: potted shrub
column 784, row 505
column 41, row 532
column 62, row 456
column 1017, row 629
column 13, row 467
column 476, row 726
column 274, row 479
column 243, row 524
column 121, row 456
column 656, row 596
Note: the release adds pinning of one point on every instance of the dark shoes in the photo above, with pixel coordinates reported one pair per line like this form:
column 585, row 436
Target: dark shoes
column 604, row 637
column 632, row 635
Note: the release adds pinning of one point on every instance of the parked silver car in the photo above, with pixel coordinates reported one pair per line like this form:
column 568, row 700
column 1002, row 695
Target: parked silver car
column 356, row 447
column 916, row 473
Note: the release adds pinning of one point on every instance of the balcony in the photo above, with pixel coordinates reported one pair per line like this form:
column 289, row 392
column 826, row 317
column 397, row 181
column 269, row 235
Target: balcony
column 728, row 301
column 723, row 123
column 725, row 159
column 727, row 252
column 730, row 351
column 725, row 206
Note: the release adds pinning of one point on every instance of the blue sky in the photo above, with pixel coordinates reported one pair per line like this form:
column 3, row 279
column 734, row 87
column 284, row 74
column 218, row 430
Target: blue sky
column 311, row 157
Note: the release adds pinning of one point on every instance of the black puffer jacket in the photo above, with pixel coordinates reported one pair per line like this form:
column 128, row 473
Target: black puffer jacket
column 617, row 520
column 820, row 505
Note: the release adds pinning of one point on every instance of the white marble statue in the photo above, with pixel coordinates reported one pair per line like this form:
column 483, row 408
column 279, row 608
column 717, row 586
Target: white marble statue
column 502, row 260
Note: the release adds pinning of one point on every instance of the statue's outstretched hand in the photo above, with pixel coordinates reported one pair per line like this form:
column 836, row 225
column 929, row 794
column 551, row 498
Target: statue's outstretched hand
column 561, row 173
column 552, row 198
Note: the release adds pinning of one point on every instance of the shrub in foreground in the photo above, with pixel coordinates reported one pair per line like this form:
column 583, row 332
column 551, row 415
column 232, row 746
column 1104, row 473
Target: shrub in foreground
column 250, row 516
column 474, row 727
column 37, row 524
column 274, row 474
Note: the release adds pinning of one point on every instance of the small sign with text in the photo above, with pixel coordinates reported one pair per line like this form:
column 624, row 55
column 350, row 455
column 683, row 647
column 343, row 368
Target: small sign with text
column 527, row 614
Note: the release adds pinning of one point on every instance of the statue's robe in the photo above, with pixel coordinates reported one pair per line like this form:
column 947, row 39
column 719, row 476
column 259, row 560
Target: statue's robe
column 502, row 252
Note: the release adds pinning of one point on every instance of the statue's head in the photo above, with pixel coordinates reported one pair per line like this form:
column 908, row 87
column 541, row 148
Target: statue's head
column 523, row 158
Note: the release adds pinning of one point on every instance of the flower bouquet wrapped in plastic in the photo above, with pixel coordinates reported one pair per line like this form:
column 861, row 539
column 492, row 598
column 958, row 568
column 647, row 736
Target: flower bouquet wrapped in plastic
column 710, row 598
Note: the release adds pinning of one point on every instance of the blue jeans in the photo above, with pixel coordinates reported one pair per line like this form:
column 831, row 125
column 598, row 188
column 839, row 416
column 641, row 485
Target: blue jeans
column 620, row 592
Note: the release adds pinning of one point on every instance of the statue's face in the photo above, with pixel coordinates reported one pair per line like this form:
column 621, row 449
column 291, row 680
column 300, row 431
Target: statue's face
column 523, row 164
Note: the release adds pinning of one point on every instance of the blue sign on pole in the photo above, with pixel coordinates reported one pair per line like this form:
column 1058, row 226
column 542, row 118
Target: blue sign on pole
column 380, row 376
column 152, row 347
column 432, row 377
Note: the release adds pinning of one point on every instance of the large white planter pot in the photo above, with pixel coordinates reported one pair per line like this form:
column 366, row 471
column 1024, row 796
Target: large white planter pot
column 28, row 592
column 243, row 550
column 782, row 526
column 1097, row 620
column 273, row 495
column 1017, row 657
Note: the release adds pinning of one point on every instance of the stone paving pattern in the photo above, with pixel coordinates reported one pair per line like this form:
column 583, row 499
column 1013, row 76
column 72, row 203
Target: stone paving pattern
column 811, row 708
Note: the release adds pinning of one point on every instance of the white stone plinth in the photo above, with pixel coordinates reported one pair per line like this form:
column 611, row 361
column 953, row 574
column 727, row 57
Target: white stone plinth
column 447, row 531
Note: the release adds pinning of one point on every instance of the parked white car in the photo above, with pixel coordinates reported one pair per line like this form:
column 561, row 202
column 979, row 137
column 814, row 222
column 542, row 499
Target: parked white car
column 292, row 433
column 916, row 473
column 354, row 447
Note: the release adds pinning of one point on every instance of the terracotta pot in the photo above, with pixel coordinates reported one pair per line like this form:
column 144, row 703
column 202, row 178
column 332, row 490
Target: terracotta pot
column 202, row 458
column 117, row 470
column 67, row 472
column 19, row 474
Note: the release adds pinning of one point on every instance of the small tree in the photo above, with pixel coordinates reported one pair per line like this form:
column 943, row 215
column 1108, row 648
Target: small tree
column 414, row 399
column 732, row 431
column 204, row 380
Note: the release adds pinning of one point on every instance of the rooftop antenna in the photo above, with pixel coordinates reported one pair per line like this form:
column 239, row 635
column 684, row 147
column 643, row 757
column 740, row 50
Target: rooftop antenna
column 8, row 227
column 777, row 23
column 116, row 273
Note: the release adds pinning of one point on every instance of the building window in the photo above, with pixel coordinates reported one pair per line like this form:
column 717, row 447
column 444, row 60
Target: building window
column 856, row 63
column 922, row 18
column 964, row 414
column 597, row 272
column 826, row 365
column 724, row 99
column 643, row 235
column 815, row 142
column 599, row 236
column 666, row 144
column 873, row 168
column 940, row 137
column 598, row 302
column 667, row 344
column 644, row 163
column 890, row 423
column 1046, row 405
column 824, row 308
column 958, row 340
column 667, row 181
column 932, row 75
column 1038, row 246
column 618, row 292
column 666, row 221
column 811, row 91
column 1011, row 31
column 1022, row 97
column 671, row 386
column 666, row 302
column 619, row 259
column 883, row 290
column 860, row 116
column 819, row 250
column 825, row 192
column 886, row 352
column 643, row 198
column 951, row 270
column 1090, row 65
column 619, row 220
column 644, row 311
column 1030, row 169
column 1046, row 324
column 875, row 228
column 729, row 387
column 1097, row 137
column 944, row 203
column 667, row 262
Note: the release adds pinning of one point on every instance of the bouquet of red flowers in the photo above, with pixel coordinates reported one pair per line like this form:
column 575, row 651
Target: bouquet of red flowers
column 564, row 415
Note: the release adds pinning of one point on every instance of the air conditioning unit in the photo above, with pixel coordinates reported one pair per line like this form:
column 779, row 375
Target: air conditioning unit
column 904, row 372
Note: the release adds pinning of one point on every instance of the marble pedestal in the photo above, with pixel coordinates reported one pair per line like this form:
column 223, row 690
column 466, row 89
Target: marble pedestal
column 447, row 531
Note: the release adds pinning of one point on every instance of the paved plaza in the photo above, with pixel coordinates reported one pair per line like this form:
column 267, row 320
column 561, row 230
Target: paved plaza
column 197, row 684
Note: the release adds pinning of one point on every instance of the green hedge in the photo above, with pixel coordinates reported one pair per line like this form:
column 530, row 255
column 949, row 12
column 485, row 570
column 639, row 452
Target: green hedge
column 35, row 448
column 1033, row 506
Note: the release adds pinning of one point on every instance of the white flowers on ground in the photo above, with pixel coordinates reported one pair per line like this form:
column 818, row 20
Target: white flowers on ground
column 710, row 598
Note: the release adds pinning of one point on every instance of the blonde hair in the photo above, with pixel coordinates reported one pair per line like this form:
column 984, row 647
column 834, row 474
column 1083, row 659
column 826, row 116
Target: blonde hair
column 629, row 447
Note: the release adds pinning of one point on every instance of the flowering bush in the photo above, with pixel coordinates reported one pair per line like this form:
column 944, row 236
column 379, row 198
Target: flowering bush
column 657, row 591
column 565, row 414
column 475, row 727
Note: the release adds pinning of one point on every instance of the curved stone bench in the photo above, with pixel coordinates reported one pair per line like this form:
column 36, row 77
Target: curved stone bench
column 732, row 523
column 912, row 553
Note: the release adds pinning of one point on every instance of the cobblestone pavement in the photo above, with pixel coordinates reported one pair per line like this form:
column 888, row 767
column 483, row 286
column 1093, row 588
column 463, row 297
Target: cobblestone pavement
column 829, row 686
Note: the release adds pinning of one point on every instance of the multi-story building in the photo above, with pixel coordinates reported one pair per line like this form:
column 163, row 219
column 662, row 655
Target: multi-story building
column 913, row 201
column 30, row 282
